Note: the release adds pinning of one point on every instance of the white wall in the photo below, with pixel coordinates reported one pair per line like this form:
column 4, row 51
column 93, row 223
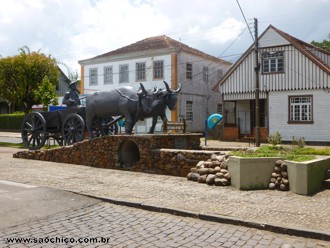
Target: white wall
column 149, row 83
column 278, row 116
column 197, row 91
column 192, row 90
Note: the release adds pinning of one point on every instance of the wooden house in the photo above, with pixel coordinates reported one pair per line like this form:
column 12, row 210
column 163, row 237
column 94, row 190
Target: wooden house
column 294, row 90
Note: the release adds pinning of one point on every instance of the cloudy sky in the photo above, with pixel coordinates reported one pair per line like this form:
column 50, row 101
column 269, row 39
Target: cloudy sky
column 72, row 30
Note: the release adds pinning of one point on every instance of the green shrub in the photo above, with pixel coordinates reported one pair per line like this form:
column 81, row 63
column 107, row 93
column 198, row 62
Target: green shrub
column 275, row 139
column 12, row 122
column 297, row 154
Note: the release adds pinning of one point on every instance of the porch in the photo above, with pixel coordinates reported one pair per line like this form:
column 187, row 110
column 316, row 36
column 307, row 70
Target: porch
column 239, row 121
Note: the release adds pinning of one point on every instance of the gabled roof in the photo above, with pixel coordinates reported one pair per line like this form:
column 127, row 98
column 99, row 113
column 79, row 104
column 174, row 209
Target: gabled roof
column 300, row 45
column 67, row 80
column 306, row 48
column 157, row 43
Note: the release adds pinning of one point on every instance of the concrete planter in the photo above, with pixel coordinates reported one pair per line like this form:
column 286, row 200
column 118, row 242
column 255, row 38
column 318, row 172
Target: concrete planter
column 251, row 173
column 306, row 177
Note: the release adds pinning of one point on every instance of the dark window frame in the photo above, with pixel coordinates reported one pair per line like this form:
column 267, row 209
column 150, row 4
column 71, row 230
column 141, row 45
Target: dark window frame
column 189, row 111
column 189, row 70
column 205, row 74
column 272, row 62
column 124, row 73
column 158, row 70
column 93, row 76
column 107, row 75
column 140, row 68
column 292, row 110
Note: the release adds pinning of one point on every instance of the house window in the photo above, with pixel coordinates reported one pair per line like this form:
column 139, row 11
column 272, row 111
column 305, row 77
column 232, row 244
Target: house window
column 158, row 69
column 219, row 108
column 93, row 76
column 140, row 71
column 189, row 110
column 220, row 74
column 205, row 74
column 301, row 109
column 189, row 71
column 123, row 74
column 108, row 75
column 272, row 62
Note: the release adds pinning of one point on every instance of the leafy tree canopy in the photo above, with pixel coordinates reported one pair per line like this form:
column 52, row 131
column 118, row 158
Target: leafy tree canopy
column 21, row 76
column 325, row 44
column 45, row 93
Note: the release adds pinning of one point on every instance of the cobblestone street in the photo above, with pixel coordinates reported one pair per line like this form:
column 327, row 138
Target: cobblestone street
column 120, row 226
column 134, row 227
column 284, row 209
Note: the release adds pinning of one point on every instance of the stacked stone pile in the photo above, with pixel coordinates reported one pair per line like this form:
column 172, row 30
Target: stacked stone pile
column 279, row 179
column 214, row 171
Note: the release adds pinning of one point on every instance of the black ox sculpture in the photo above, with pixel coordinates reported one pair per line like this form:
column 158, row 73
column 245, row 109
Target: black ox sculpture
column 162, row 98
column 121, row 101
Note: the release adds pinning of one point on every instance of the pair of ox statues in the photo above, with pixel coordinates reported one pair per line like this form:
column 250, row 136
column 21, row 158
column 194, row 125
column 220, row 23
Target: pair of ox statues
column 125, row 101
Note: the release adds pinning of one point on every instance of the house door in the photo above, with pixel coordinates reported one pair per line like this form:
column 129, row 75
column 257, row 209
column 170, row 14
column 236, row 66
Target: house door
column 244, row 117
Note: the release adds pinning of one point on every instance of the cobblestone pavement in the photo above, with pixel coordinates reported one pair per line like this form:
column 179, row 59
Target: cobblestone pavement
column 282, row 209
column 119, row 226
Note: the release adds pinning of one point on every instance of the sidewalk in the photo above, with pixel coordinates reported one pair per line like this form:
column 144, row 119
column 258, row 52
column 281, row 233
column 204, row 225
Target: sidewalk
column 284, row 212
column 10, row 134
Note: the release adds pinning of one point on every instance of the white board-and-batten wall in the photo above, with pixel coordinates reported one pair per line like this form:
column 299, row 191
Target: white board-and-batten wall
column 318, row 130
column 302, row 76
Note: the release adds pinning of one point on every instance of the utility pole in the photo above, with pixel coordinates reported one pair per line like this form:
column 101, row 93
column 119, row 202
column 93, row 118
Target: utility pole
column 257, row 69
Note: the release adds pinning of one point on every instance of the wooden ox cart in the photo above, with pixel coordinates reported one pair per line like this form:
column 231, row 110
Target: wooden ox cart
column 66, row 126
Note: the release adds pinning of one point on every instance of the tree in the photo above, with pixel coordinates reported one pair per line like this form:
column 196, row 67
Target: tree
column 21, row 75
column 45, row 93
column 325, row 44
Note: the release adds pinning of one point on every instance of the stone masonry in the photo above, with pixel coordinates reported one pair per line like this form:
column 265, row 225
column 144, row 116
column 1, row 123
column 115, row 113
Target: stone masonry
column 166, row 154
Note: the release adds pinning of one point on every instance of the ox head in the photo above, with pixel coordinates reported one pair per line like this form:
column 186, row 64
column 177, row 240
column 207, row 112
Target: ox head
column 171, row 96
column 145, row 99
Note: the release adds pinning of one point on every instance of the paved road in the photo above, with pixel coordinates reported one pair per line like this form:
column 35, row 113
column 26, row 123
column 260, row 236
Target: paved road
column 22, row 203
column 130, row 227
column 107, row 225
column 14, row 140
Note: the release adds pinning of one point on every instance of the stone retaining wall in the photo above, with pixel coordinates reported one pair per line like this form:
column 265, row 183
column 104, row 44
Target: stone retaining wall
column 142, row 153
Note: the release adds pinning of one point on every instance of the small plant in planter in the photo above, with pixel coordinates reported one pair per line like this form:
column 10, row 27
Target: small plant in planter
column 275, row 139
column 300, row 142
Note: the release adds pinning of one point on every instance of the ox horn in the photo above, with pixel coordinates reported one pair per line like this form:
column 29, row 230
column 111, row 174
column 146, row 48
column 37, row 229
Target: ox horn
column 142, row 90
column 155, row 91
column 172, row 91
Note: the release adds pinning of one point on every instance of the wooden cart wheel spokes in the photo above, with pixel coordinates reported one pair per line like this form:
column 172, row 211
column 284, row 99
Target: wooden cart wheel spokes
column 73, row 129
column 109, row 129
column 34, row 131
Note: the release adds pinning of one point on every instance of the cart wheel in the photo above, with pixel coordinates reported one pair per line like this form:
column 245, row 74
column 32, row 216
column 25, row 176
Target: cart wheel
column 109, row 130
column 34, row 131
column 73, row 129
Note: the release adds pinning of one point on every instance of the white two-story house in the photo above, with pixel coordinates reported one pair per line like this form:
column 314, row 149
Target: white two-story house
column 152, row 61
column 294, row 90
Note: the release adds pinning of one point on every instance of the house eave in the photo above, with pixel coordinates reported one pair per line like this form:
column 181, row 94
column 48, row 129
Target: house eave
column 128, row 56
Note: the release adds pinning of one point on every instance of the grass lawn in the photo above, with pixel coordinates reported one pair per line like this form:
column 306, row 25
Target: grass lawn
column 21, row 145
column 295, row 154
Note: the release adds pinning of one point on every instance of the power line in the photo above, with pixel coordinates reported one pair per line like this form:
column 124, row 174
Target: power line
column 245, row 19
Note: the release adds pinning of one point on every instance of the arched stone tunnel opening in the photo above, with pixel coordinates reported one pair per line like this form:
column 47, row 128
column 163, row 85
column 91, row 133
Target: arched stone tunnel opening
column 128, row 153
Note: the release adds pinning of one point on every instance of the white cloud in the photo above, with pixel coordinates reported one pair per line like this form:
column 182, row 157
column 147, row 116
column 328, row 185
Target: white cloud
column 225, row 32
column 73, row 30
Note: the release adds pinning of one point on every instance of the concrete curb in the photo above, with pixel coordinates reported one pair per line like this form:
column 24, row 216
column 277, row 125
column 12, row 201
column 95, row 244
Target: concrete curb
column 296, row 231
